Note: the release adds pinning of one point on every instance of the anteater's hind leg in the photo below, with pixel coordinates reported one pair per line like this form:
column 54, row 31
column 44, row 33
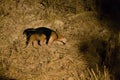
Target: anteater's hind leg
column 30, row 40
column 27, row 41
column 34, row 43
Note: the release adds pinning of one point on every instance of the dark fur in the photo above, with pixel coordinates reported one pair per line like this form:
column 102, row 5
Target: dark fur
column 29, row 31
column 46, row 31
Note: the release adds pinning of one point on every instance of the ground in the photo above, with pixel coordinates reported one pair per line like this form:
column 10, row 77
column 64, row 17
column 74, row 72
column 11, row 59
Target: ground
column 81, row 28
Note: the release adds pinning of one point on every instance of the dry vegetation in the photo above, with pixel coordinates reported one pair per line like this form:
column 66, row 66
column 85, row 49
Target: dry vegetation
column 88, row 40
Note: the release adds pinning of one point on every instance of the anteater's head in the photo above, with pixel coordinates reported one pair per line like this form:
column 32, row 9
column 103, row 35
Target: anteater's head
column 62, row 39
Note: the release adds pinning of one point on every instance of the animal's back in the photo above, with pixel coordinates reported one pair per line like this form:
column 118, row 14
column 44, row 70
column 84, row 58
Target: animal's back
column 46, row 31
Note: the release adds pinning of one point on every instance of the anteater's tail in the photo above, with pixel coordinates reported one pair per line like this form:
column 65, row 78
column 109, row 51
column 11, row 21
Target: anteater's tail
column 28, row 30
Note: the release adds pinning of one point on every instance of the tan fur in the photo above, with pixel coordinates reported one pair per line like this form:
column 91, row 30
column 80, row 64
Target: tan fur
column 62, row 39
column 56, row 37
column 53, row 37
column 37, row 37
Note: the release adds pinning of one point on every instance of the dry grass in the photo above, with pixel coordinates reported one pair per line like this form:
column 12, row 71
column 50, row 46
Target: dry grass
column 98, row 75
column 56, row 62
